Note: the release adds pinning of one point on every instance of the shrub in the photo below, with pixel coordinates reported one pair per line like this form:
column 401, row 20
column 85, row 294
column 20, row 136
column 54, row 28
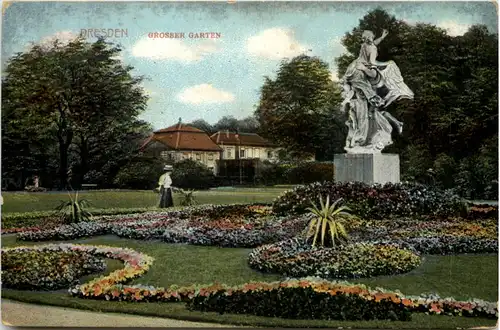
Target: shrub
column 309, row 172
column 270, row 174
column 375, row 201
column 28, row 269
column 190, row 174
column 140, row 173
column 295, row 173
column 295, row 258
column 301, row 300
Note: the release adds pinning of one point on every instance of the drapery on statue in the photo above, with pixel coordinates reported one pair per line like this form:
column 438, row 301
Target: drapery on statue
column 369, row 86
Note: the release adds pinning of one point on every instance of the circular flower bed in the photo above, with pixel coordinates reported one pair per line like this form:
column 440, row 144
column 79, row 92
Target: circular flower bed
column 296, row 258
column 49, row 268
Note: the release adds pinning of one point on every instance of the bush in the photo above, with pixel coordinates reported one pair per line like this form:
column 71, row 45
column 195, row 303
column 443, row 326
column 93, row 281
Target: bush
column 141, row 173
column 46, row 270
column 295, row 258
column 271, row 174
column 301, row 300
column 375, row 201
column 295, row 173
column 309, row 172
column 190, row 174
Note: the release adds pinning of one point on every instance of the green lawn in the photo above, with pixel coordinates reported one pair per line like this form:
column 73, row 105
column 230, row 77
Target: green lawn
column 29, row 202
column 461, row 276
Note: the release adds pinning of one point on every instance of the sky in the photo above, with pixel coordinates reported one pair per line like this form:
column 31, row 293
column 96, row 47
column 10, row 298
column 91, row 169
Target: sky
column 207, row 78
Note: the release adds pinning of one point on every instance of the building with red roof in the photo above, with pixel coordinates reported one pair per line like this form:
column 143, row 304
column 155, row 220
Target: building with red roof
column 180, row 141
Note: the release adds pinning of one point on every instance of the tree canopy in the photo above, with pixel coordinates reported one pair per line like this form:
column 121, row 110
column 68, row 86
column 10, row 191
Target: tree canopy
column 67, row 101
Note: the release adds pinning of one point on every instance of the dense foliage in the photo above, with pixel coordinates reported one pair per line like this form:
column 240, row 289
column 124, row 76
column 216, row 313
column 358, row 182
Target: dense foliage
column 28, row 269
column 140, row 173
column 296, row 109
column 190, row 174
column 375, row 201
column 80, row 104
column 295, row 172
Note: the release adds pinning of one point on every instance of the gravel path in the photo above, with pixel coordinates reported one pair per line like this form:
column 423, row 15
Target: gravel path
column 29, row 315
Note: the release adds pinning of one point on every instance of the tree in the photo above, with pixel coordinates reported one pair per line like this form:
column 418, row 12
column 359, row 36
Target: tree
column 297, row 109
column 69, row 94
column 226, row 123
column 203, row 125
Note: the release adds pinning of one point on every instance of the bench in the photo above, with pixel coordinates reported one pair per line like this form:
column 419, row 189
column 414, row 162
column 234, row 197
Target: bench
column 89, row 186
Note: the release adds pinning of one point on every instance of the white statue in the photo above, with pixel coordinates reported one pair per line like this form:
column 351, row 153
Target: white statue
column 369, row 86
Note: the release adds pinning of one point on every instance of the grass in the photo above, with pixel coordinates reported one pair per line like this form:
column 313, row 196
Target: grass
column 30, row 202
column 461, row 276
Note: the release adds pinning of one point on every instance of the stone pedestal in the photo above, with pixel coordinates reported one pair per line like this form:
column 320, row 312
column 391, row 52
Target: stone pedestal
column 367, row 168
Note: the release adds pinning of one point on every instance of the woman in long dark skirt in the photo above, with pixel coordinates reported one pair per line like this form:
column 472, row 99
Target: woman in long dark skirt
column 165, row 183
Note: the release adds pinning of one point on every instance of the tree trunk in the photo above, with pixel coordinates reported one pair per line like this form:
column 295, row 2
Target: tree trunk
column 84, row 160
column 63, row 158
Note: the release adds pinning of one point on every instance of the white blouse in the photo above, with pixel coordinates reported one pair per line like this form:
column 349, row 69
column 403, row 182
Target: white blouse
column 167, row 181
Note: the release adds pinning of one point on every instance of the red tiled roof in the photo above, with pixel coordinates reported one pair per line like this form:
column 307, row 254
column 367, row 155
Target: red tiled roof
column 180, row 127
column 182, row 137
column 244, row 139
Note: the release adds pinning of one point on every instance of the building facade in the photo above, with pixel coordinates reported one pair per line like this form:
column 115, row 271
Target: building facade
column 179, row 142
column 245, row 146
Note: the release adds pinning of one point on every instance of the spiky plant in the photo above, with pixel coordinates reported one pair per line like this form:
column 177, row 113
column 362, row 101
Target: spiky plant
column 188, row 198
column 327, row 221
column 74, row 210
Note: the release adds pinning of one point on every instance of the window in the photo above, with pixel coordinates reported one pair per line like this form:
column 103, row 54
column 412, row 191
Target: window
column 242, row 153
column 229, row 153
column 269, row 154
column 210, row 156
column 198, row 156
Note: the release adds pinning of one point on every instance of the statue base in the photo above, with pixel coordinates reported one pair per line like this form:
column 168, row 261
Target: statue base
column 368, row 168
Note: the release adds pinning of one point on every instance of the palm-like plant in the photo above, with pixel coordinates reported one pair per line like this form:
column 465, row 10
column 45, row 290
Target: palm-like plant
column 73, row 211
column 188, row 198
column 327, row 216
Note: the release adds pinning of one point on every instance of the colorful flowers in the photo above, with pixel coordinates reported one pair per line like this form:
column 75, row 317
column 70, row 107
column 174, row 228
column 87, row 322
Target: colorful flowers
column 46, row 267
column 297, row 258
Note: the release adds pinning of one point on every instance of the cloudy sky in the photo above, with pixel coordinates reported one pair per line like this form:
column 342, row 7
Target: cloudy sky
column 210, row 78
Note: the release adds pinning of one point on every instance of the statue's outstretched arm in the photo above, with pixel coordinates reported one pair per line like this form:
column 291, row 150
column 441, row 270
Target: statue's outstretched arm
column 379, row 40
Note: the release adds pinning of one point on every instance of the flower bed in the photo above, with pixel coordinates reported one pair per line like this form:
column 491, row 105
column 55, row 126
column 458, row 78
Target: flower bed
column 307, row 299
column 450, row 236
column 67, row 232
column 46, row 268
column 302, row 300
column 374, row 201
column 251, row 226
column 296, row 258
column 215, row 233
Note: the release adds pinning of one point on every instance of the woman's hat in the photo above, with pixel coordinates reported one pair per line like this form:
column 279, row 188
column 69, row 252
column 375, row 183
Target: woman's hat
column 168, row 168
